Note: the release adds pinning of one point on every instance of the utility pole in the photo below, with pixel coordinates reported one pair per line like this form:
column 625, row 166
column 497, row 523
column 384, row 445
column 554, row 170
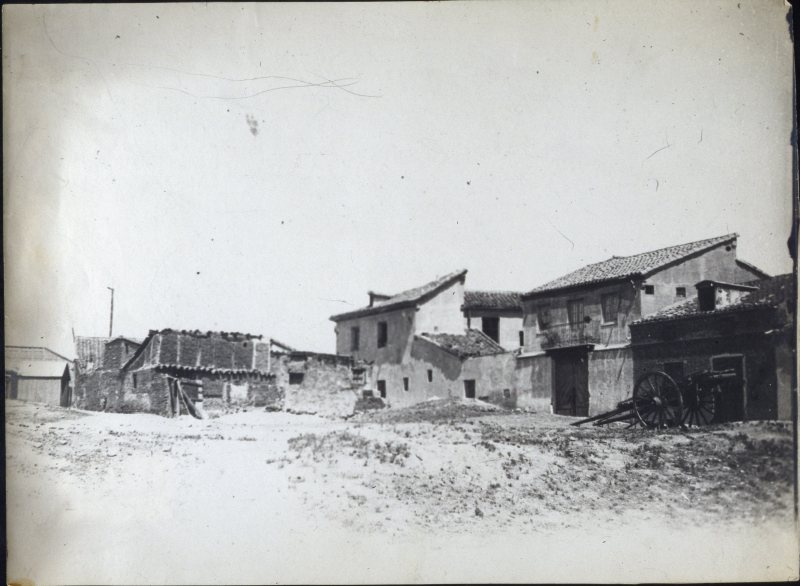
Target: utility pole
column 111, row 320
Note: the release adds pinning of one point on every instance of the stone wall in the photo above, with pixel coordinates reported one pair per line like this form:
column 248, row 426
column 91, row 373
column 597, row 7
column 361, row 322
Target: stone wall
column 318, row 384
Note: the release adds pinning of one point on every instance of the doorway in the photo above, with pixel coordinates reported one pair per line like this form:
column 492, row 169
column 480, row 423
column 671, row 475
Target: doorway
column 730, row 403
column 571, row 383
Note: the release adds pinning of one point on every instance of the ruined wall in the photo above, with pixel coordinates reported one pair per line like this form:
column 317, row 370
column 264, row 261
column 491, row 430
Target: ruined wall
column 327, row 386
column 97, row 389
column 785, row 363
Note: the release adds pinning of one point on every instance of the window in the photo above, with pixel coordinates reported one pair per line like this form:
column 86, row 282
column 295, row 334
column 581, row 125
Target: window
column 491, row 327
column 506, row 393
column 521, row 338
column 543, row 317
column 405, row 383
column 382, row 388
column 296, row 378
column 610, row 307
column 383, row 333
column 575, row 311
column 674, row 370
column 649, row 289
column 430, row 375
column 354, row 338
column 135, row 382
column 680, row 291
column 469, row 388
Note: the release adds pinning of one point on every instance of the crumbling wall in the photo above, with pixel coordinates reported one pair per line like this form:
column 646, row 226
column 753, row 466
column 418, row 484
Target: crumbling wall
column 327, row 387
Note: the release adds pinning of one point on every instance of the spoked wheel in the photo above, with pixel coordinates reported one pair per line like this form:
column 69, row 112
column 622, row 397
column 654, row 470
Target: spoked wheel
column 700, row 406
column 657, row 400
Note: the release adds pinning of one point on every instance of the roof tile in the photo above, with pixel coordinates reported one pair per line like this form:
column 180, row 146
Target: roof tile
column 621, row 267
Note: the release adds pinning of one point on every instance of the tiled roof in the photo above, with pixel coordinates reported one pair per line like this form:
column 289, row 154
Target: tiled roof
column 501, row 300
column 407, row 298
column 771, row 293
column 471, row 343
column 32, row 353
column 194, row 339
column 622, row 267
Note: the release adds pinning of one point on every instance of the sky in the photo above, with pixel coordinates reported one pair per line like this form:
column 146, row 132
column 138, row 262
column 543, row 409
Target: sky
column 258, row 168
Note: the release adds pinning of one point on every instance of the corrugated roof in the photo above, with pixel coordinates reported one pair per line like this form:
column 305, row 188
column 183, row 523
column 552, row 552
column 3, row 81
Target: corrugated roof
column 32, row 353
column 471, row 343
column 499, row 300
column 407, row 298
column 623, row 267
column 90, row 349
column 771, row 293
column 37, row 368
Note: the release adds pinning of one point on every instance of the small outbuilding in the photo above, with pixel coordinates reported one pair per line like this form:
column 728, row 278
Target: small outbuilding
column 38, row 375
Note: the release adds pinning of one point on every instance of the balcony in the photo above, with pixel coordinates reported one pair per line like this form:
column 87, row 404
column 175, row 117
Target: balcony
column 570, row 335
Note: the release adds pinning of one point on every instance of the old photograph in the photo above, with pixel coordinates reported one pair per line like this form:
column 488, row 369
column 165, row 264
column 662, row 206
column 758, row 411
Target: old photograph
column 400, row 292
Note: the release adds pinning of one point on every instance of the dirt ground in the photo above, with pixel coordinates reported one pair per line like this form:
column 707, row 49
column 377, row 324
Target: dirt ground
column 444, row 491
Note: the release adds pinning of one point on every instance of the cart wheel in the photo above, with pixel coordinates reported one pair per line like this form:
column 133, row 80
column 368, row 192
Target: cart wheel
column 700, row 406
column 657, row 400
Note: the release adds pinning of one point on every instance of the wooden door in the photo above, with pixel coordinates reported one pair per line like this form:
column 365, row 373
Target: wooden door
column 730, row 403
column 571, row 384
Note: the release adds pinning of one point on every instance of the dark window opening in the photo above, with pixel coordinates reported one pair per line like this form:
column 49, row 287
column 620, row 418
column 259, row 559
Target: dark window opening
column 367, row 394
column 674, row 370
column 680, row 291
column 506, row 393
column 469, row 388
column 359, row 376
column 491, row 327
column 382, row 388
column 521, row 338
column 649, row 289
column 430, row 375
column 383, row 333
column 609, row 306
column 354, row 338
column 575, row 311
column 135, row 382
column 296, row 378
column 405, row 383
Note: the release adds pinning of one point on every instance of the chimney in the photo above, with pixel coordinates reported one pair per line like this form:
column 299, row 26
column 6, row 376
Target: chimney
column 373, row 297
column 713, row 295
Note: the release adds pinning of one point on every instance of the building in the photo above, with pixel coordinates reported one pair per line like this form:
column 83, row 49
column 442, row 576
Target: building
column 97, row 368
column 498, row 314
column 417, row 345
column 745, row 327
column 219, row 369
column 37, row 374
column 576, row 327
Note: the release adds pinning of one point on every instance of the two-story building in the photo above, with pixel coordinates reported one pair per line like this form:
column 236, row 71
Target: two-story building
column 498, row 314
column 418, row 344
column 577, row 341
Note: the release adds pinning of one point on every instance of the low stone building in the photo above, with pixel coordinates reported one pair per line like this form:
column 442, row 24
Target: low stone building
column 745, row 327
column 38, row 375
column 217, row 369
column 97, row 368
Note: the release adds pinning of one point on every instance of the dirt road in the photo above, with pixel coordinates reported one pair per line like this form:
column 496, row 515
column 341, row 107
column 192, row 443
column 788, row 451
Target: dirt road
column 434, row 493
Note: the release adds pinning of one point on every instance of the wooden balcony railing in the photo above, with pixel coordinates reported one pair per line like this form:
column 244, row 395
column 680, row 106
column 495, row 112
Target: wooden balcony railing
column 568, row 335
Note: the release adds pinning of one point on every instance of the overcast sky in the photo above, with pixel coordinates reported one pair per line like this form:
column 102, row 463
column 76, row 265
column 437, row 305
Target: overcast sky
column 258, row 168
